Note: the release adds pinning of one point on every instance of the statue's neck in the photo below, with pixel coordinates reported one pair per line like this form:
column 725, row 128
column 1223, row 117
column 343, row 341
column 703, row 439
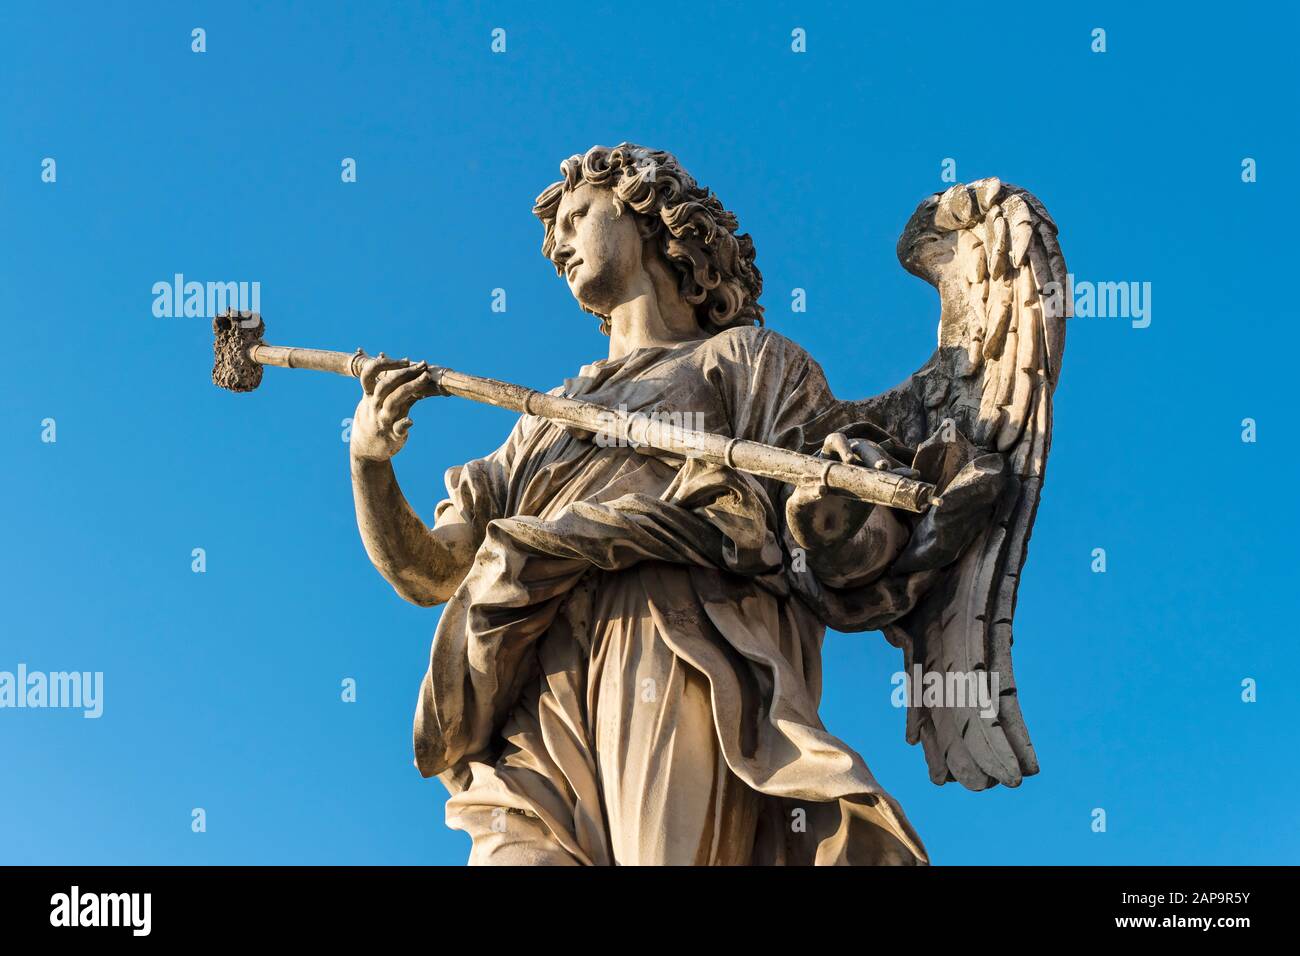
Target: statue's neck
column 651, row 316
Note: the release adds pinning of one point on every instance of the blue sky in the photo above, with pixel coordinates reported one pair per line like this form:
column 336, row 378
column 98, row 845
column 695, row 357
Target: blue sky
column 222, row 689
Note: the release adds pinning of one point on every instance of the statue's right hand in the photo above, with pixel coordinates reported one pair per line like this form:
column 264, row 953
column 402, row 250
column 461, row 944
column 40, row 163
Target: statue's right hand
column 389, row 387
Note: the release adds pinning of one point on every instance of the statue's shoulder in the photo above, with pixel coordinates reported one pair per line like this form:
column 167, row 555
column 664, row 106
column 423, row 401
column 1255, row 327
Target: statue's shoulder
column 752, row 343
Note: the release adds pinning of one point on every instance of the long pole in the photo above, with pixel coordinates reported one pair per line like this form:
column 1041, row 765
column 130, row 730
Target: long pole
column 766, row 461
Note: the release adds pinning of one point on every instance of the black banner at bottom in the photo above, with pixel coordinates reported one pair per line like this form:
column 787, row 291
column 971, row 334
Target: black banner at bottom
column 331, row 905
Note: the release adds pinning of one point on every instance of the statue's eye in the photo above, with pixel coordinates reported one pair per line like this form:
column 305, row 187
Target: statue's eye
column 574, row 217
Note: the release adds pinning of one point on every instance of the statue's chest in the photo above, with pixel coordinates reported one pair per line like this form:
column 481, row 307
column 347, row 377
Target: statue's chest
column 557, row 467
column 674, row 393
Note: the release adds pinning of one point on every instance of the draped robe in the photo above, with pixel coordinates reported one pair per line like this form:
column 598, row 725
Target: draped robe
column 631, row 670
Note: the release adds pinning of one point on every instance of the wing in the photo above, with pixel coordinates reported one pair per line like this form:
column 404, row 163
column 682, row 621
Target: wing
column 991, row 250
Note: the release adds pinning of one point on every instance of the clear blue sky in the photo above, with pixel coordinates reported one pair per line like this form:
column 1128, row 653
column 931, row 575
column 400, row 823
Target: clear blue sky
column 223, row 689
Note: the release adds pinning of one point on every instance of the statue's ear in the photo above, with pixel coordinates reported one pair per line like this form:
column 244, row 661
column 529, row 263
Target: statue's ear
column 646, row 226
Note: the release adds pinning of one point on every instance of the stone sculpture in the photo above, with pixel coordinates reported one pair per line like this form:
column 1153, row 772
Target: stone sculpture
column 627, row 669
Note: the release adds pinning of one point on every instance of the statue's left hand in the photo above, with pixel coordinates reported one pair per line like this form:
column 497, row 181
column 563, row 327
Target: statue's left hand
column 822, row 518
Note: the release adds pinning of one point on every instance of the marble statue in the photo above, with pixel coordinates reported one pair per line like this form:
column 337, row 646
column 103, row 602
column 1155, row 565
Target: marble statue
column 627, row 668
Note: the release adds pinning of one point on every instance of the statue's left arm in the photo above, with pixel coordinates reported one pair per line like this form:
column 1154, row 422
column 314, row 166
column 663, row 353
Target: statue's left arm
column 843, row 542
column 843, row 538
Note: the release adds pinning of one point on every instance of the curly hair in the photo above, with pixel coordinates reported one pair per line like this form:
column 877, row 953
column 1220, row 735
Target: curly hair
column 697, row 236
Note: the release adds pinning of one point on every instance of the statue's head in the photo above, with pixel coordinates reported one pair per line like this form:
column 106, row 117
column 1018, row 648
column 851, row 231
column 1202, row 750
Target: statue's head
column 622, row 212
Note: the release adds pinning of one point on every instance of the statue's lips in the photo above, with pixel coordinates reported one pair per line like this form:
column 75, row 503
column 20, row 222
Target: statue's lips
column 568, row 270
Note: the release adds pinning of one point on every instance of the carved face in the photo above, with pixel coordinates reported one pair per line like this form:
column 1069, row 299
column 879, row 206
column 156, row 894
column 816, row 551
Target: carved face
column 598, row 246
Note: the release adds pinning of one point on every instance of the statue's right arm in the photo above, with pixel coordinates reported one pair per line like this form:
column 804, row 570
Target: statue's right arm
column 424, row 565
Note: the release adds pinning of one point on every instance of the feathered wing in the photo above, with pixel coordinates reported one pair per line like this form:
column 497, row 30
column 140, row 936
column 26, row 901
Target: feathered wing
column 991, row 250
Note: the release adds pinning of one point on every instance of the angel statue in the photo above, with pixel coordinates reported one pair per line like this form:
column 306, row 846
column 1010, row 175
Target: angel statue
column 627, row 669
